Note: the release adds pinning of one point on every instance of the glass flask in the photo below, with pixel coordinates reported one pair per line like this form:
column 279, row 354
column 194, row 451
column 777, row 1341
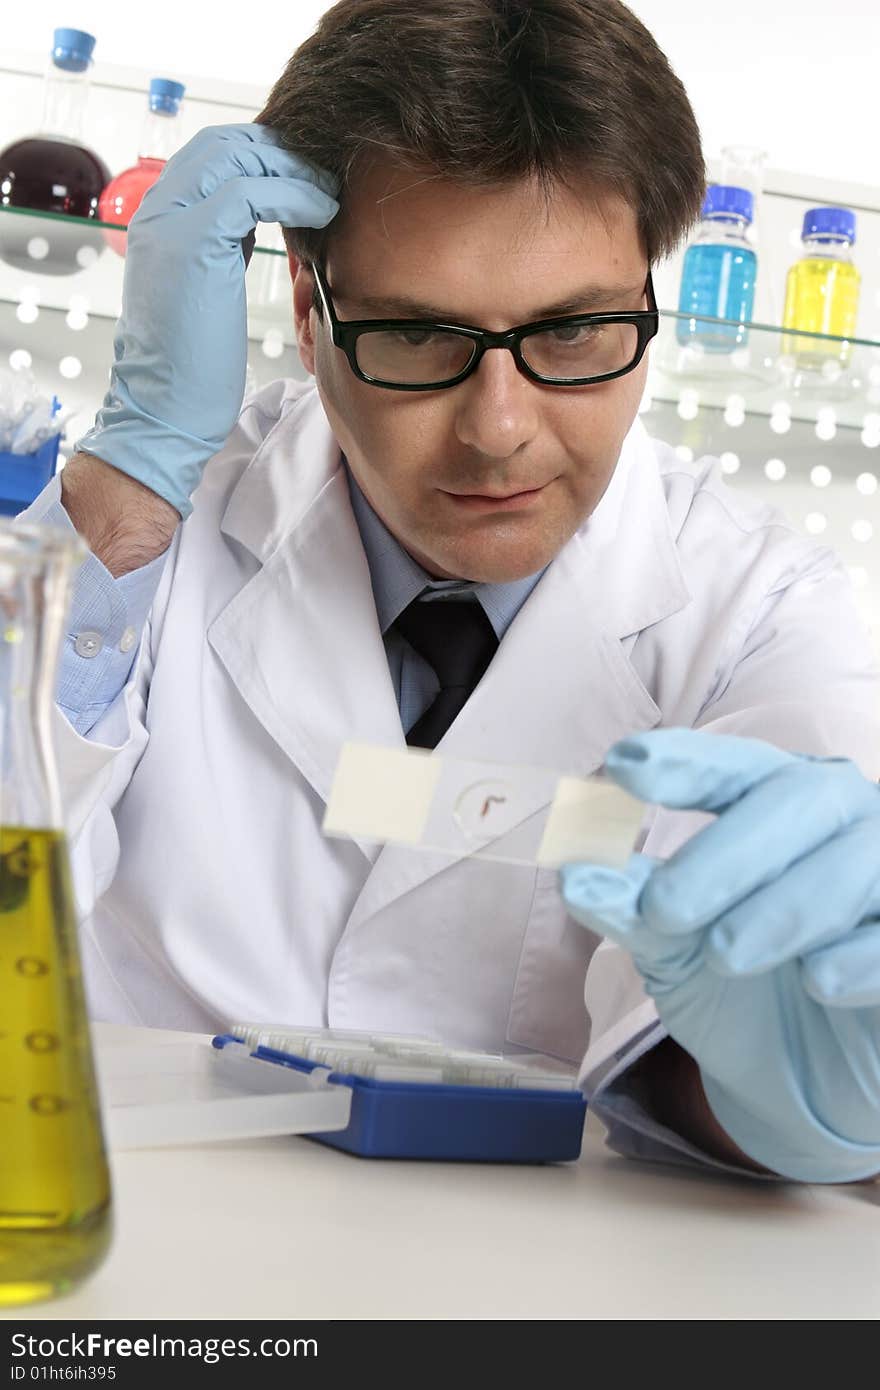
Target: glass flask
column 160, row 139
column 822, row 290
column 55, row 172
column 55, row 1206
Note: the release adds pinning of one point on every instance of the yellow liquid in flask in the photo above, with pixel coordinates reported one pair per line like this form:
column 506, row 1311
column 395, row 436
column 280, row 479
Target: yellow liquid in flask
column 54, row 1182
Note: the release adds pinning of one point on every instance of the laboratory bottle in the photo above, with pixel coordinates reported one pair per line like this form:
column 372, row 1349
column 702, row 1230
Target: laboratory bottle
column 719, row 273
column 822, row 289
column 55, row 1203
column 160, row 139
column 54, row 172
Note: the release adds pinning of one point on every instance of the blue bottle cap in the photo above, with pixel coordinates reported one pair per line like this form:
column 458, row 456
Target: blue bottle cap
column 725, row 200
column 839, row 222
column 72, row 49
column 165, row 95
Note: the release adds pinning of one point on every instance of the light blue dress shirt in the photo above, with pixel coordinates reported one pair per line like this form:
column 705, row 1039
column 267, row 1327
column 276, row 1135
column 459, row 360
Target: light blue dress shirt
column 104, row 625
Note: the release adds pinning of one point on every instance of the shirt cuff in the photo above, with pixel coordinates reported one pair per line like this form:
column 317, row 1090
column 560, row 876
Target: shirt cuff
column 631, row 1129
column 105, row 622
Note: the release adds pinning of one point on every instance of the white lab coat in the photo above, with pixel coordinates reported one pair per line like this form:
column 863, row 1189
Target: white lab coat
column 207, row 890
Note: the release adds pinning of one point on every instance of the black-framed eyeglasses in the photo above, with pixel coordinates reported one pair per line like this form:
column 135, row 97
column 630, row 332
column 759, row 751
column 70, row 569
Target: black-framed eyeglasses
column 419, row 355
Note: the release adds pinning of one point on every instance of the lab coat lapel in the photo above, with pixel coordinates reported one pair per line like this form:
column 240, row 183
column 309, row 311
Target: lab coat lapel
column 301, row 640
column 560, row 689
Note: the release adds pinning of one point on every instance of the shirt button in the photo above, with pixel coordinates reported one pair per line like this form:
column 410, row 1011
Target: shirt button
column 127, row 640
column 88, row 644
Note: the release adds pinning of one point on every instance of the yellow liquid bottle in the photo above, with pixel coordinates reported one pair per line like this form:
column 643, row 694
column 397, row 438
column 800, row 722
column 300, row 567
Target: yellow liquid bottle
column 822, row 291
column 54, row 1180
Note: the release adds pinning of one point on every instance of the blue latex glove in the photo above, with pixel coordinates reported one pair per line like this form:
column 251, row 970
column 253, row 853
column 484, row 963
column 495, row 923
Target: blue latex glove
column 759, row 941
column 180, row 348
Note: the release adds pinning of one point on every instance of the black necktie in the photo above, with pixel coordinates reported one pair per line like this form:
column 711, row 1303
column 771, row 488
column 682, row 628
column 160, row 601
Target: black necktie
column 456, row 638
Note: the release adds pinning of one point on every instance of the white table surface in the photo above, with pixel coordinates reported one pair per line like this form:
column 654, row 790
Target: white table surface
column 287, row 1228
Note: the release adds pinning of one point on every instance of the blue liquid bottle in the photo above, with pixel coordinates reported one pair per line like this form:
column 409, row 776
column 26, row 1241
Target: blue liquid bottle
column 719, row 273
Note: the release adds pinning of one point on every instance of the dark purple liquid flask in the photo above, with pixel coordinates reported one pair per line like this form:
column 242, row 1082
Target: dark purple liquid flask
column 53, row 172
column 46, row 175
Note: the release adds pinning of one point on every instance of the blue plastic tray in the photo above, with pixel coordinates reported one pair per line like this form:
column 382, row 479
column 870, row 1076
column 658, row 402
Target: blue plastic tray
column 23, row 476
column 475, row 1124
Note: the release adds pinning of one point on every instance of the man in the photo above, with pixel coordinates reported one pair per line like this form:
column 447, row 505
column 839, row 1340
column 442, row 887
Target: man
column 463, row 538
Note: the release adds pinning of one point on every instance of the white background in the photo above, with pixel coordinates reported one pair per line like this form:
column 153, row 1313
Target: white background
column 797, row 77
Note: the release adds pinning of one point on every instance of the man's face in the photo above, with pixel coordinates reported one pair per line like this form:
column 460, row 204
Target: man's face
column 437, row 466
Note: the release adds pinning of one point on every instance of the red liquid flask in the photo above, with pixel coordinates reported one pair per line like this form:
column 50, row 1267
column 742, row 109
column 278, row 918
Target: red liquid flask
column 160, row 139
column 55, row 172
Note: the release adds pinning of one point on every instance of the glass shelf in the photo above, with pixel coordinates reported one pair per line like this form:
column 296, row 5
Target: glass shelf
column 65, row 222
column 35, row 246
column 767, row 371
column 794, row 418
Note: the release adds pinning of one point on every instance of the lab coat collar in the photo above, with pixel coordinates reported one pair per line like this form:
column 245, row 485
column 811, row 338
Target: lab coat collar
column 285, row 475
column 302, row 642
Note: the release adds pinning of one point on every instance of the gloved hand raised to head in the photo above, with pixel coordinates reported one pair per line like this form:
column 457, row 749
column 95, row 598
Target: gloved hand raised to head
column 180, row 350
column 759, row 941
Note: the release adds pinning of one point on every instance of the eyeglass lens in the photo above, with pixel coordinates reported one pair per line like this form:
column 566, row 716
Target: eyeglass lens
column 410, row 356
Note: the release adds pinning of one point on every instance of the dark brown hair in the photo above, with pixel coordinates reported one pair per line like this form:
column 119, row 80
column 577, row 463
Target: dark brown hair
column 490, row 92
